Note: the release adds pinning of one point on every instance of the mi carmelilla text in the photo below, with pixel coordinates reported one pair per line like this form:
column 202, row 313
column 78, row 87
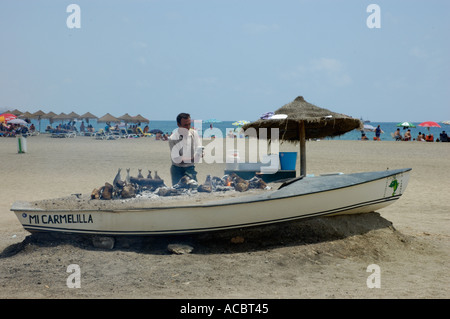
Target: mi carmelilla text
column 59, row 219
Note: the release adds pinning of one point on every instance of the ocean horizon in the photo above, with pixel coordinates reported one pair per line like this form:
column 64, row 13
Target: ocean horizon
column 224, row 127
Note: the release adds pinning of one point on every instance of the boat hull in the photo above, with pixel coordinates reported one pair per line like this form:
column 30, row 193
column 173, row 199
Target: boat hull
column 309, row 197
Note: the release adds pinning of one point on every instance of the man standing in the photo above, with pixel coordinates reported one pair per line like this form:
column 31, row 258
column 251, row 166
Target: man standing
column 185, row 149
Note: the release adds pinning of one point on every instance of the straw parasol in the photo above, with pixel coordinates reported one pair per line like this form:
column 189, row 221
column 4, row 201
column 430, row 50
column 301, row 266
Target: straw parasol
column 15, row 112
column 60, row 116
column 304, row 121
column 127, row 118
column 50, row 115
column 87, row 116
column 108, row 118
column 26, row 115
column 39, row 115
column 73, row 116
column 140, row 119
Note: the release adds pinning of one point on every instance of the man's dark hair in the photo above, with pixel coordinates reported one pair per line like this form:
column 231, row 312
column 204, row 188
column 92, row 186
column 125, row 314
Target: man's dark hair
column 182, row 116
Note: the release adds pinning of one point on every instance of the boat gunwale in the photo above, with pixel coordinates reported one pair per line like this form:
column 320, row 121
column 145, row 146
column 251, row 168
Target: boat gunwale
column 251, row 197
column 330, row 212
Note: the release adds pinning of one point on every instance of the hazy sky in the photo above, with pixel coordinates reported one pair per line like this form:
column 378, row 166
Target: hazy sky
column 229, row 60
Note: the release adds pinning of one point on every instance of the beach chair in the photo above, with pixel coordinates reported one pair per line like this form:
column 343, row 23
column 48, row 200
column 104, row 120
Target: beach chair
column 58, row 134
column 141, row 132
column 113, row 133
column 123, row 133
column 111, row 136
column 100, row 135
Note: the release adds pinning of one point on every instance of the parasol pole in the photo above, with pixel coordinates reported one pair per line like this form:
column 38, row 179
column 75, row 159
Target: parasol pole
column 301, row 133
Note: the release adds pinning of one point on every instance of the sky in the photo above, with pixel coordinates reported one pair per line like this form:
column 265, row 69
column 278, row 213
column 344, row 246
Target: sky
column 226, row 59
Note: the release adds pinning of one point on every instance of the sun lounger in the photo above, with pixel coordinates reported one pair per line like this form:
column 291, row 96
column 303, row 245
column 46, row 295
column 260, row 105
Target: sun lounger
column 124, row 134
column 101, row 135
column 141, row 132
column 58, row 134
column 63, row 134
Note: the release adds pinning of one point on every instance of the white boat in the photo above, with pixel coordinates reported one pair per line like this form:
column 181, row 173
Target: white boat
column 324, row 195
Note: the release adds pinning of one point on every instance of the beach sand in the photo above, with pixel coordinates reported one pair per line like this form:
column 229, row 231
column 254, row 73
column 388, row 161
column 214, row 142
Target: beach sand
column 318, row 258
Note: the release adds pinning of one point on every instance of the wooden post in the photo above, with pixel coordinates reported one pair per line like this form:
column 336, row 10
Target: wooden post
column 301, row 132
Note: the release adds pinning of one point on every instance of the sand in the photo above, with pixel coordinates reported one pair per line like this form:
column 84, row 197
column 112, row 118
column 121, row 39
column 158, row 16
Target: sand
column 319, row 258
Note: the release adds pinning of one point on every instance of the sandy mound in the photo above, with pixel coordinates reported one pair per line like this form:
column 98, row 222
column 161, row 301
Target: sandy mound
column 368, row 235
column 327, row 255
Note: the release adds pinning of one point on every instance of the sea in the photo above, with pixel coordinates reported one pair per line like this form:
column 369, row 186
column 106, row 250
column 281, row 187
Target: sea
column 224, row 128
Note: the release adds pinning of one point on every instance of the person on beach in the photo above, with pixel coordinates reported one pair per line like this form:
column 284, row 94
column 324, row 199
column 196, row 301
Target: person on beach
column 398, row 135
column 185, row 149
column 407, row 136
column 420, row 137
column 378, row 133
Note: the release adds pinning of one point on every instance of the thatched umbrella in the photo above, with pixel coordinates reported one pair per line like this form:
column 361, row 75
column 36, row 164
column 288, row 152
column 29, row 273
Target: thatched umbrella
column 87, row 116
column 26, row 115
column 108, row 118
column 140, row 119
column 61, row 117
column 127, row 118
column 50, row 115
column 15, row 112
column 305, row 120
column 72, row 115
column 39, row 115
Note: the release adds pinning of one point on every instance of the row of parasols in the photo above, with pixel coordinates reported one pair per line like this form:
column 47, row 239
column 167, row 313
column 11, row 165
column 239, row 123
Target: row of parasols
column 16, row 116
